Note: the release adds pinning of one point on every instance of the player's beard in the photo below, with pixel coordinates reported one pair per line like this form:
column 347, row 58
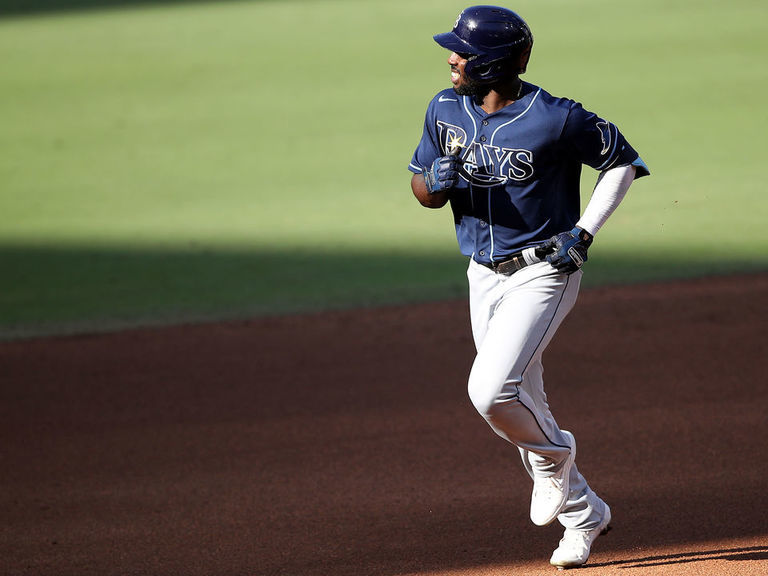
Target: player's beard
column 467, row 88
column 474, row 89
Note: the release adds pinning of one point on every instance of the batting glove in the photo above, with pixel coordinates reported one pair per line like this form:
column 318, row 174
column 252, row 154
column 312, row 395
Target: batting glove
column 569, row 250
column 443, row 174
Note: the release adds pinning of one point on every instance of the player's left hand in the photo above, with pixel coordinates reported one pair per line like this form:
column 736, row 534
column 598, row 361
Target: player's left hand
column 569, row 250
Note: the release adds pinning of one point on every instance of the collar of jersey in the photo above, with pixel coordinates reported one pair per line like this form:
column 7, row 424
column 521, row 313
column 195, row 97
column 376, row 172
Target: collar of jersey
column 514, row 108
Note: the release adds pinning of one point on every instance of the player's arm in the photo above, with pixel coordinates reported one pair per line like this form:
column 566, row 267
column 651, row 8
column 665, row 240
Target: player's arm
column 432, row 186
column 420, row 190
column 611, row 187
column 601, row 145
column 569, row 249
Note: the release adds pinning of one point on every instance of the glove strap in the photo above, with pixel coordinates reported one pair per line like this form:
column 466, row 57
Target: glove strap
column 429, row 179
column 530, row 256
column 583, row 235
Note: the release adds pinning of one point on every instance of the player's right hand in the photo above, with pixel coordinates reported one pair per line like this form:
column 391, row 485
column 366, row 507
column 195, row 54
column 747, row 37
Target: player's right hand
column 443, row 174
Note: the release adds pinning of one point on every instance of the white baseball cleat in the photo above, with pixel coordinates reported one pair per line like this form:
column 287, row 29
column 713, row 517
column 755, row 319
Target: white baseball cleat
column 550, row 494
column 575, row 545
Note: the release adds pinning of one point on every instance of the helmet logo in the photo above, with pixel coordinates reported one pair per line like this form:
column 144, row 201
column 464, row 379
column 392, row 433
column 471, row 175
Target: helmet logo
column 458, row 18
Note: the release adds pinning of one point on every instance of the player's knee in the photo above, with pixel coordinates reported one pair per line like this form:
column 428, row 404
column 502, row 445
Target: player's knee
column 482, row 403
column 489, row 398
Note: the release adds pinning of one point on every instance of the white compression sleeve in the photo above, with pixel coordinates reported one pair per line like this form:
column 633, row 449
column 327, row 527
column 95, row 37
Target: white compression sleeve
column 611, row 187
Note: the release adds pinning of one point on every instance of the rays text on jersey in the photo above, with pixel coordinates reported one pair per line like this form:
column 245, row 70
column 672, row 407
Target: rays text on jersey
column 485, row 164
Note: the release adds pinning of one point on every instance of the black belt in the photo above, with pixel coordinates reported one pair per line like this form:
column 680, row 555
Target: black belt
column 510, row 264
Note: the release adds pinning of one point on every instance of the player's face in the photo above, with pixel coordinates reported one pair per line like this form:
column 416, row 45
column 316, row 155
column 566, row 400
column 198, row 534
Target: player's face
column 462, row 84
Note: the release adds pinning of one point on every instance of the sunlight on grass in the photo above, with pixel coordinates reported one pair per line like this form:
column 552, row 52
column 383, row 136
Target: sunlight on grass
column 286, row 128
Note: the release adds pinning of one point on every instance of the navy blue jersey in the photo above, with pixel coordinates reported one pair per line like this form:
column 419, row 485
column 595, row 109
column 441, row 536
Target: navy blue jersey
column 520, row 179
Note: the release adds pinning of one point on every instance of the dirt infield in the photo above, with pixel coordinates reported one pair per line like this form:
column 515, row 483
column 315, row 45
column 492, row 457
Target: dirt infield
column 344, row 443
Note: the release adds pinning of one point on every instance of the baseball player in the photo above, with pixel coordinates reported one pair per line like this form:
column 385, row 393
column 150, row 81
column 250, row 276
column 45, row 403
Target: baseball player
column 507, row 156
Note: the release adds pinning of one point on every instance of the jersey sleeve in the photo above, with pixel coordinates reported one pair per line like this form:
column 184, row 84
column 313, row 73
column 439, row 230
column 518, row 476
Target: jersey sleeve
column 428, row 148
column 599, row 143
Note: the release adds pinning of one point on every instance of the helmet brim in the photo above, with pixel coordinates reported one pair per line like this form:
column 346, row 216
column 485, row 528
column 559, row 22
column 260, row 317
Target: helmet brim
column 450, row 41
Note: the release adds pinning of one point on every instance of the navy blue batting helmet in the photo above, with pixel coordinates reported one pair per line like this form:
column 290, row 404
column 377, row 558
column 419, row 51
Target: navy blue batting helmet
column 495, row 41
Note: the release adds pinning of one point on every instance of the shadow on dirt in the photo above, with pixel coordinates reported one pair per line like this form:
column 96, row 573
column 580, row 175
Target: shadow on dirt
column 750, row 553
column 344, row 443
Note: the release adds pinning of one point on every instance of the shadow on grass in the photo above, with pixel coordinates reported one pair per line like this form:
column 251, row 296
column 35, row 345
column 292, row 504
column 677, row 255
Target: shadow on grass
column 57, row 290
column 54, row 290
column 25, row 7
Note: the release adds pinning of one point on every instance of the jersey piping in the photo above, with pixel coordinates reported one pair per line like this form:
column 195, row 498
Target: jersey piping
column 523, row 113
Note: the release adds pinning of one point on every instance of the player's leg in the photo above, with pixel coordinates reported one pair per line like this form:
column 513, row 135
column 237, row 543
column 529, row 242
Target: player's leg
column 583, row 509
column 584, row 515
column 513, row 320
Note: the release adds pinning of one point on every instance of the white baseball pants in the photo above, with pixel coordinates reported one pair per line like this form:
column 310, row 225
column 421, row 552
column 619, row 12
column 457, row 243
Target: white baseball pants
column 513, row 320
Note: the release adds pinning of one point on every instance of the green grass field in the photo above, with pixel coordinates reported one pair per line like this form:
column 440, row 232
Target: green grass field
column 177, row 162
